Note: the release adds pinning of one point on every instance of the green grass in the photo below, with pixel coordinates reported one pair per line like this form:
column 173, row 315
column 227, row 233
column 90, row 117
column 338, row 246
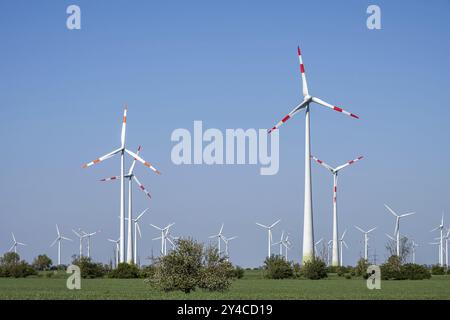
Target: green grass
column 252, row 286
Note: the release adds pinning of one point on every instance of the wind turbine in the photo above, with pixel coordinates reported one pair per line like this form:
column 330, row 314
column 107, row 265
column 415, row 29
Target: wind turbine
column 280, row 243
column 137, row 229
column 287, row 246
column 329, row 247
column 366, row 241
column 334, row 172
column 447, row 239
column 397, row 225
column 122, row 151
column 226, row 241
column 219, row 237
column 131, row 256
column 15, row 244
column 316, row 244
column 342, row 242
column 163, row 237
column 116, row 250
column 269, row 234
column 88, row 236
column 439, row 247
column 81, row 237
column 308, row 229
column 441, row 242
column 414, row 245
column 58, row 239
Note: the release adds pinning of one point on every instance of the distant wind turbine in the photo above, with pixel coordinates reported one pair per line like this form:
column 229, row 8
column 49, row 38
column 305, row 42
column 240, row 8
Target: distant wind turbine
column 15, row 244
column 366, row 241
column 397, row 225
column 58, row 239
column 269, row 234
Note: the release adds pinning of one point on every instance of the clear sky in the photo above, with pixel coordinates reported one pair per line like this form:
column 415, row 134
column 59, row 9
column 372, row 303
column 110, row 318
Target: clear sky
column 231, row 64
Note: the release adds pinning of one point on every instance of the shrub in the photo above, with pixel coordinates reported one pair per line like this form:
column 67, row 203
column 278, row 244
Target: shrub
column 216, row 273
column 437, row 270
column 348, row 276
column 314, row 269
column 190, row 266
column 238, row 272
column 391, row 269
column 88, row 268
column 11, row 266
column 413, row 271
column 275, row 267
column 147, row 271
column 125, row 271
column 361, row 268
column 42, row 262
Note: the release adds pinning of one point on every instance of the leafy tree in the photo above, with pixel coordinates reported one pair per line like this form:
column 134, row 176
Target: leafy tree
column 437, row 270
column 361, row 268
column 413, row 271
column 216, row 273
column 88, row 268
column 125, row 271
column 276, row 267
column 314, row 270
column 42, row 262
column 391, row 269
column 405, row 248
column 238, row 272
column 11, row 266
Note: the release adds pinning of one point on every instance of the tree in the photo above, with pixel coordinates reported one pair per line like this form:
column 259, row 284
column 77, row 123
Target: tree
column 42, row 262
column 405, row 248
column 276, row 267
column 361, row 268
column 216, row 273
column 88, row 268
column 314, row 270
column 11, row 266
column 9, row 258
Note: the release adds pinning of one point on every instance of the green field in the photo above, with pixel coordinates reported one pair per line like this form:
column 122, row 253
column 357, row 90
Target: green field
column 252, row 286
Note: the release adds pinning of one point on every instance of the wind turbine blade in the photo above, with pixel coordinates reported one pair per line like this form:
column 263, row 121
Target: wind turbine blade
column 221, row 229
column 54, row 242
column 435, row 229
column 141, row 186
column 397, row 225
column 76, row 233
column 391, row 211
column 102, row 158
column 110, row 178
column 289, row 116
column 57, row 230
column 14, row 238
column 111, row 240
column 360, row 229
column 274, row 224
column 21, row 244
column 145, row 163
column 345, row 244
column 323, row 164
column 390, row 237
column 160, row 229
column 407, row 214
column 302, row 72
column 124, row 127
column 261, row 225
column 349, row 163
column 140, row 216
column 335, row 108
column 130, row 172
column 12, row 248
column 232, row 238
column 343, row 234
column 138, row 228
column 371, row 230
column 68, row 239
column 159, row 238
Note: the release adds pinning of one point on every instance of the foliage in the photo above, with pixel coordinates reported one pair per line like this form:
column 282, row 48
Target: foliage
column 12, row 266
column 238, row 272
column 147, row 271
column 415, row 271
column 405, row 248
column 88, row 268
column 216, row 273
column 190, row 266
column 42, row 262
column 361, row 268
column 314, row 269
column 276, row 267
column 437, row 270
column 125, row 271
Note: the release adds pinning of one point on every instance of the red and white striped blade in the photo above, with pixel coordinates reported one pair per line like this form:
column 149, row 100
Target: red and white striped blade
column 111, row 178
column 302, row 72
column 141, row 186
column 349, row 163
column 130, row 172
column 335, row 108
column 145, row 163
column 322, row 163
column 124, row 127
column 289, row 116
column 103, row 158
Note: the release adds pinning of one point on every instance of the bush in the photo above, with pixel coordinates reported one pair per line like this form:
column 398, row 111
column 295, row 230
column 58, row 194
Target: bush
column 88, row 268
column 391, row 269
column 42, row 262
column 238, row 272
column 275, row 267
column 216, row 273
column 125, row 271
column 361, row 268
column 314, row 269
column 147, row 271
column 437, row 270
column 413, row 271
column 190, row 266
column 11, row 266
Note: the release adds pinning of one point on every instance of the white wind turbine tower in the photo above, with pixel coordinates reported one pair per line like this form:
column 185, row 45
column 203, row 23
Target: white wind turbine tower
column 80, row 237
column 316, row 244
column 447, row 239
column 269, row 234
column 219, row 237
column 58, row 239
column 137, row 229
column 287, row 246
column 439, row 247
column 116, row 250
column 163, row 237
column 15, row 244
column 89, row 236
column 131, row 255
column 329, row 247
column 441, row 240
column 308, row 230
column 226, row 241
column 366, row 241
column 122, row 151
column 341, row 243
column 414, row 246
column 280, row 243
column 334, row 172
column 397, row 226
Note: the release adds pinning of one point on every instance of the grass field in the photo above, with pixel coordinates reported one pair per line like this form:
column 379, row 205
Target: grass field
column 252, row 286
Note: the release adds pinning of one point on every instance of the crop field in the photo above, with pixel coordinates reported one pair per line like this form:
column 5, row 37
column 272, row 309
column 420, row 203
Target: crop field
column 252, row 286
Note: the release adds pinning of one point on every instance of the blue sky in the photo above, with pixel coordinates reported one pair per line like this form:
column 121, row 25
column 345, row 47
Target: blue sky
column 232, row 65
